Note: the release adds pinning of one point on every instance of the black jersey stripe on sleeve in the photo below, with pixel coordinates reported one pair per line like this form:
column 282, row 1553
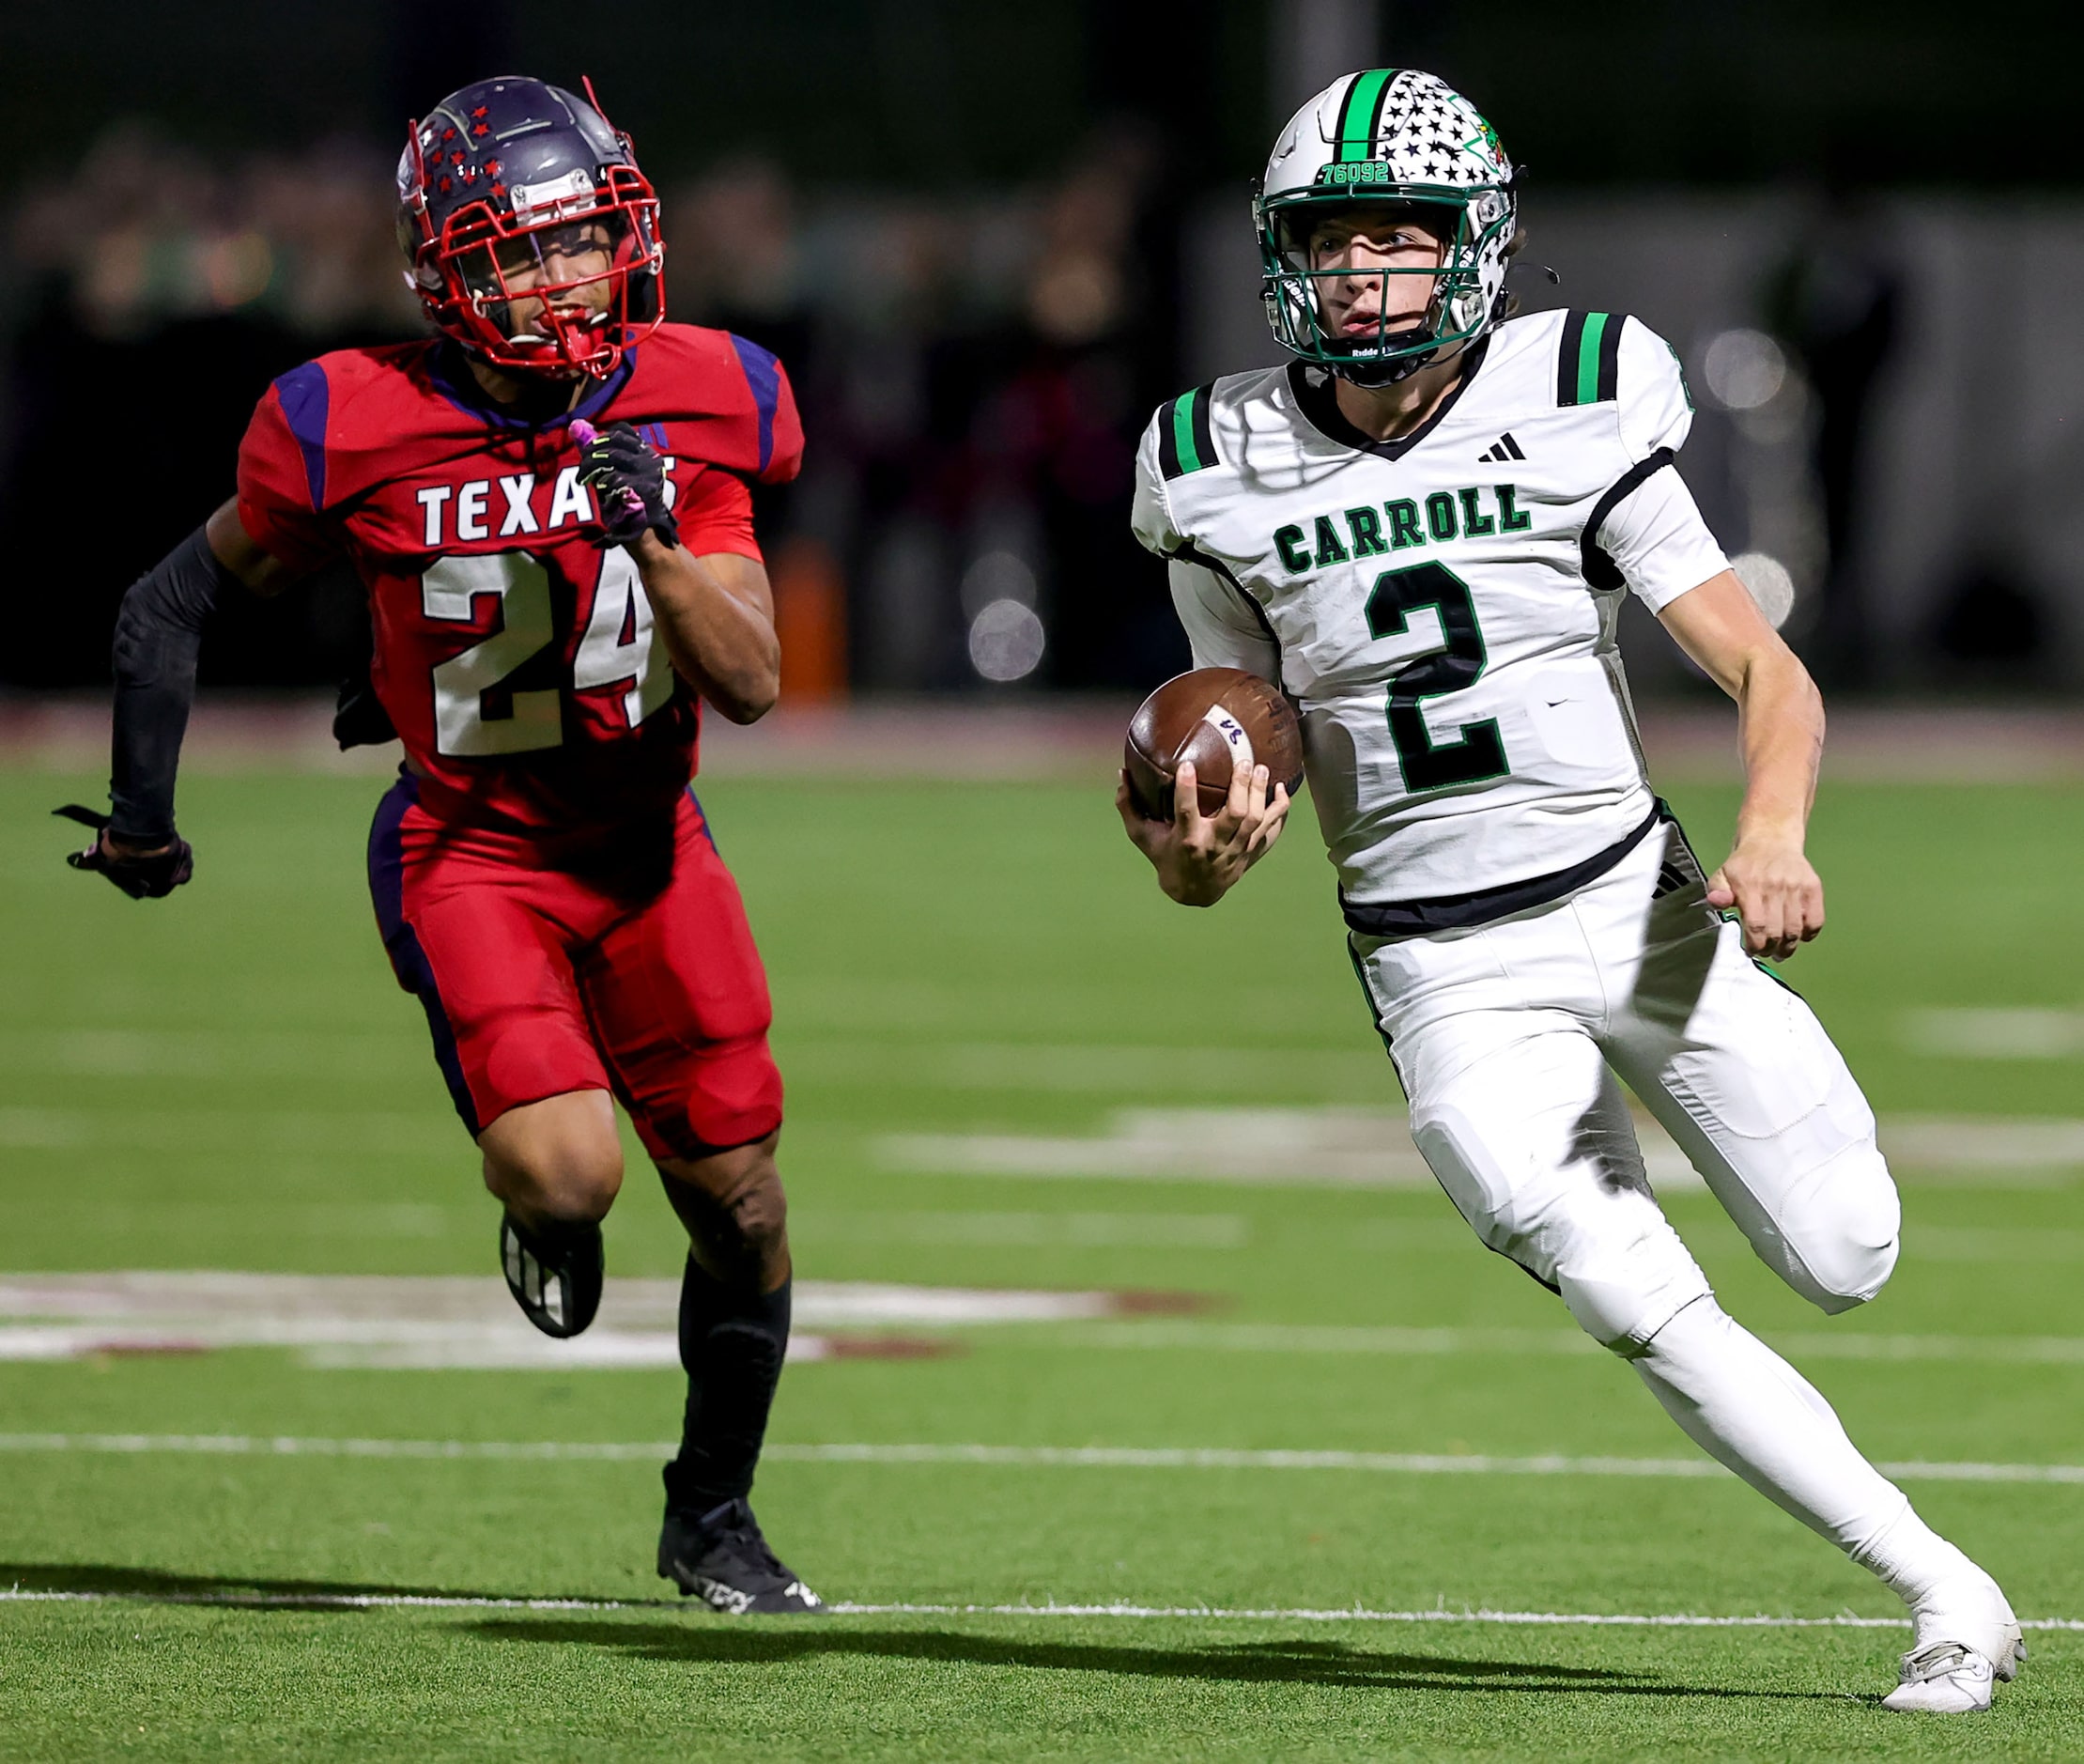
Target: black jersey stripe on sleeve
column 1168, row 442
column 1610, row 358
column 1588, row 362
column 1186, row 433
column 1566, row 358
column 1597, row 568
column 1204, row 432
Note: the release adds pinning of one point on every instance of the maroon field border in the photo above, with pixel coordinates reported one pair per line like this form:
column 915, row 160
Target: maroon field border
column 1059, row 739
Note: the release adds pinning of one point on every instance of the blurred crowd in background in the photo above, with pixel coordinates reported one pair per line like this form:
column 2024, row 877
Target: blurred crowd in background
column 973, row 375
column 987, row 242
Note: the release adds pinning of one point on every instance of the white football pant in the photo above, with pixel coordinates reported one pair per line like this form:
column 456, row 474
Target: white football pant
column 1507, row 1038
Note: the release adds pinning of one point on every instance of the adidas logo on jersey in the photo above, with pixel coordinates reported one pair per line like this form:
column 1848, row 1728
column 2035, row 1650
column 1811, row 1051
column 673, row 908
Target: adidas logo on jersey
column 1504, row 448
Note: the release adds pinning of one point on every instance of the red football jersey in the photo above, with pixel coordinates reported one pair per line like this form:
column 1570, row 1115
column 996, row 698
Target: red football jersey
column 516, row 658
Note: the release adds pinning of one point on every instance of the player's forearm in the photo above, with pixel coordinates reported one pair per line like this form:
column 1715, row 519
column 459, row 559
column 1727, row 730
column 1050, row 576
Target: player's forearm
column 716, row 617
column 159, row 633
column 1781, row 730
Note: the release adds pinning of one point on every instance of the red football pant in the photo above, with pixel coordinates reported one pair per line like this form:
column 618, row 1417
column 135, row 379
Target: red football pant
column 631, row 970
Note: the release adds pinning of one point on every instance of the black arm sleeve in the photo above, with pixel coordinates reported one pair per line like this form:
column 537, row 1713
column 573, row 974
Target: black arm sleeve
column 158, row 633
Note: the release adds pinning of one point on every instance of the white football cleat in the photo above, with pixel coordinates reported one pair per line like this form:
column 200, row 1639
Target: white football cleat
column 1965, row 1642
column 1946, row 1678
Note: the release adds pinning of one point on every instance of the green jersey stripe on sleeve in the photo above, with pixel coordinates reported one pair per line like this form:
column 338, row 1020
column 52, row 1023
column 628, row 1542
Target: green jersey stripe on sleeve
column 1588, row 358
column 1186, row 435
column 1588, row 365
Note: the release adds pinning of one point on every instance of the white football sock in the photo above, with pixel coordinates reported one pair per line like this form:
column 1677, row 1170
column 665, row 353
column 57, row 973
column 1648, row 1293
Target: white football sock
column 1745, row 1406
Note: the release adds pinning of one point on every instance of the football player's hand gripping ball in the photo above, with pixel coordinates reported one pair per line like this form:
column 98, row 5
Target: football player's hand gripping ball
column 144, row 875
column 628, row 479
column 1199, row 859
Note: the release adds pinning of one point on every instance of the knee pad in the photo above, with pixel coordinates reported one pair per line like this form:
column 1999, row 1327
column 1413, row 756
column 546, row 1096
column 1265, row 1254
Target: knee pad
column 1621, row 1296
column 1841, row 1226
column 1608, row 1251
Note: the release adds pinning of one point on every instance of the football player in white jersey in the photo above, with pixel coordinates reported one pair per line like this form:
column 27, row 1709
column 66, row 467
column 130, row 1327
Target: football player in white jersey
column 1422, row 527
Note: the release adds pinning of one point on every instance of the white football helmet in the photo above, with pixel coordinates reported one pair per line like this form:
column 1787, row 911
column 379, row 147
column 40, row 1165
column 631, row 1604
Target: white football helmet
column 1387, row 135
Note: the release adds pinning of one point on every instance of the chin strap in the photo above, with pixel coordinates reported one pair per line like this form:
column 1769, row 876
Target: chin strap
column 1375, row 375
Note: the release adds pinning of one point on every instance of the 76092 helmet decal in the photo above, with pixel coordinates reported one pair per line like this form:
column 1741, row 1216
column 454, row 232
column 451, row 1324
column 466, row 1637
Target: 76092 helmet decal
column 506, row 179
column 1394, row 136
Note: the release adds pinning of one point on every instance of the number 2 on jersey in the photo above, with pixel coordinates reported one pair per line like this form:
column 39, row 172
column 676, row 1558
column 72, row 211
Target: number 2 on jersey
column 618, row 646
column 1428, row 764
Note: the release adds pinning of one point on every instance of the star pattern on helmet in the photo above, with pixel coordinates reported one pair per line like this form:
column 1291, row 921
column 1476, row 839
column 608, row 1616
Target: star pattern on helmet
column 1429, row 134
column 453, row 161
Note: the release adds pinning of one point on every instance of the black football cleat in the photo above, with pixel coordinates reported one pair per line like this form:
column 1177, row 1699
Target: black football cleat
column 554, row 1274
column 720, row 1558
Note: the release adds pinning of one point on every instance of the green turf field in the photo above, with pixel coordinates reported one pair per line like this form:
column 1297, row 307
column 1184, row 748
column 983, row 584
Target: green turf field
column 230, row 1080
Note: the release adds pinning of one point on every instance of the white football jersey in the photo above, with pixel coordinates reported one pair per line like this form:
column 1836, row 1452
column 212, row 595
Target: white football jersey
column 1442, row 608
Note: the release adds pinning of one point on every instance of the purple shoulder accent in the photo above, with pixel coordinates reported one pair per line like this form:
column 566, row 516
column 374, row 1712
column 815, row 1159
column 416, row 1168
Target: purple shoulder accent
column 763, row 374
column 702, row 814
column 305, row 397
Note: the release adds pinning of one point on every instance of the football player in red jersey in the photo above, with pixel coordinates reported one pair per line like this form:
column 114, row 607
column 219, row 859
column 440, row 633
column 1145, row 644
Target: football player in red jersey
column 549, row 504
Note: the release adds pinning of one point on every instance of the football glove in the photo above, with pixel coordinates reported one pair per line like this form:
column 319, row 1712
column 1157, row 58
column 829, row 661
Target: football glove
column 144, row 877
column 628, row 478
column 359, row 717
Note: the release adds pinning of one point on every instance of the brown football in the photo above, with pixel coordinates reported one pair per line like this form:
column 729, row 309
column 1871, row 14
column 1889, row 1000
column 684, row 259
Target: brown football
column 1216, row 717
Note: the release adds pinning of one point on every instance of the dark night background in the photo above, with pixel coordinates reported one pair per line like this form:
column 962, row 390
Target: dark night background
column 971, row 230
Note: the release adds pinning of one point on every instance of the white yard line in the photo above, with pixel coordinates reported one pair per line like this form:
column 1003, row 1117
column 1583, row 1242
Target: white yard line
column 1194, row 1613
column 425, row 1322
column 1353, row 1147
column 2011, row 1032
column 1402, row 1341
column 1061, row 1457
column 376, row 1307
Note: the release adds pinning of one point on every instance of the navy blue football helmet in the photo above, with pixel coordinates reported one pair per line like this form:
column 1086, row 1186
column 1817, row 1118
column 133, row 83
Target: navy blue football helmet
column 532, row 237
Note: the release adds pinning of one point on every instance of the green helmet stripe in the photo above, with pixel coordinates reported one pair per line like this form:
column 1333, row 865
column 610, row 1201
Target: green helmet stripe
column 1361, row 115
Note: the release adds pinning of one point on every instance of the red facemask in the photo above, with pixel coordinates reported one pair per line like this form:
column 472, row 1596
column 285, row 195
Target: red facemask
column 464, row 271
